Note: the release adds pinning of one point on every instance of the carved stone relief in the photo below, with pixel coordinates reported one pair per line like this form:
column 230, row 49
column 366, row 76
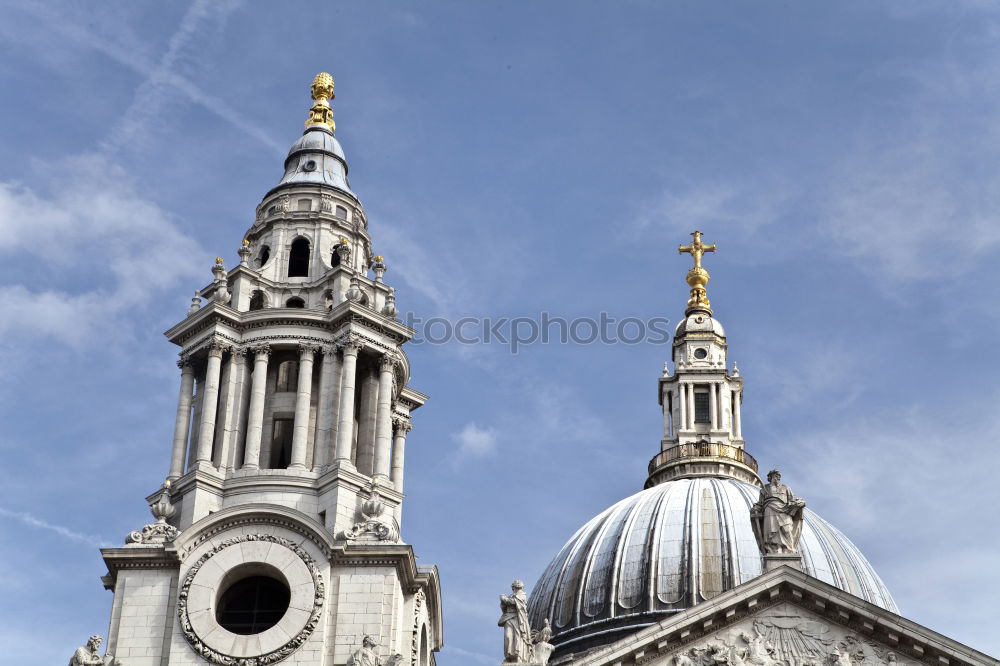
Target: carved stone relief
column 373, row 524
column 781, row 636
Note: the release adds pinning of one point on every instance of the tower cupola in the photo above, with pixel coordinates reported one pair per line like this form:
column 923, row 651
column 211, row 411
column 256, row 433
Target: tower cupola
column 317, row 158
column 702, row 434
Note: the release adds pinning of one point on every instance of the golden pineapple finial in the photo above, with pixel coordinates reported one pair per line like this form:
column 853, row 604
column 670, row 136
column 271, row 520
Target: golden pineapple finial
column 697, row 277
column 321, row 115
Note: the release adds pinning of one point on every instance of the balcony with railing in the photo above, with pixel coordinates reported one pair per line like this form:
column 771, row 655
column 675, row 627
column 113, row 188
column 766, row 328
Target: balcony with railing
column 702, row 450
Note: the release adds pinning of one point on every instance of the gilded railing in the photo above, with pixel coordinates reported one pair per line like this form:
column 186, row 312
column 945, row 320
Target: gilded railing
column 702, row 450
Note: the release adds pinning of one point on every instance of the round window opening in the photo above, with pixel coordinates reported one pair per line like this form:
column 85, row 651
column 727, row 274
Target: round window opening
column 252, row 605
column 310, row 165
column 700, row 353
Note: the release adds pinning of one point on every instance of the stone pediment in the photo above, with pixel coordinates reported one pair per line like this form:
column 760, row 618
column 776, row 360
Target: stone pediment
column 784, row 618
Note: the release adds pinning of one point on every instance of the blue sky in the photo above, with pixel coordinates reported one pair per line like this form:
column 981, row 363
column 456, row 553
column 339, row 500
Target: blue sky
column 516, row 158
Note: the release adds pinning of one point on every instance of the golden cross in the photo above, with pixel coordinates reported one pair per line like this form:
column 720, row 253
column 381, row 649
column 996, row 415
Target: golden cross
column 696, row 248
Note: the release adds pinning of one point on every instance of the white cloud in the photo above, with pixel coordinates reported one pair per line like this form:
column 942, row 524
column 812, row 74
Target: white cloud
column 64, row 33
column 65, row 532
column 902, row 214
column 90, row 224
column 716, row 205
column 474, row 441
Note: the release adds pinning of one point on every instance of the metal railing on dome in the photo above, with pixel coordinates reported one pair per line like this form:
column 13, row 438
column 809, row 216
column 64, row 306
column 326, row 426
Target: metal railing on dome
column 702, row 450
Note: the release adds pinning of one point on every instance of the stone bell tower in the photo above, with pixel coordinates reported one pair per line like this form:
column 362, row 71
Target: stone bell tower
column 277, row 533
column 702, row 435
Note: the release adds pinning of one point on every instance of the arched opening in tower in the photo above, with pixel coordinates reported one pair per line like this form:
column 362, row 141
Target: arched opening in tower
column 257, row 300
column 298, row 258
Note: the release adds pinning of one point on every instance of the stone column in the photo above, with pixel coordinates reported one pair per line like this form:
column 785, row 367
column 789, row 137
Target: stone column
column 255, row 418
column 303, row 406
column 182, row 424
column 402, row 427
column 667, row 406
column 690, row 402
column 210, row 402
column 324, row 414
column 737, row 429
column 199, row 393
column 235, row 408
column 383, row 416
column 713, row 405
column 681, row 394
column 345, row 426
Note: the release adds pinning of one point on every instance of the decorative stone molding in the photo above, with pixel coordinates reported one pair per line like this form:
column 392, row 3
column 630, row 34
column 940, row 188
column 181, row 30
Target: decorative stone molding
column 310, row 348
column 195, row 304
column 159, row 532
column 204, row 634
column 247, row 519
column 389, row 309
column 372, row 525
column 354, row 293
column 418, row 602
column 343, row 248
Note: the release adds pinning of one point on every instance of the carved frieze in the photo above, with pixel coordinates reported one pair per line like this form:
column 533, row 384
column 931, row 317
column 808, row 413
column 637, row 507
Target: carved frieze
column 784, row 635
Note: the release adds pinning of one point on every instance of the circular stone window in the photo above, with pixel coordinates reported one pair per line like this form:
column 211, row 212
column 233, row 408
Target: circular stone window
column 700, row 353
column 253, row 598
column 310, row 165
column 253, row 604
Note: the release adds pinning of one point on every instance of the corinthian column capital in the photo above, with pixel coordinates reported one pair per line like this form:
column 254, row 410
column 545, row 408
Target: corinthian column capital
column 389, row 361
column 218, row 346
column 261, row 349
column 350, row 343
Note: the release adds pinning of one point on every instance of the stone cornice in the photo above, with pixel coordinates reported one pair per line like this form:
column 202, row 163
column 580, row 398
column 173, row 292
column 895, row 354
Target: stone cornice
column 146, row 557
column 795, row 587
column 282, row 480
column 411, row 399
column 346, row 314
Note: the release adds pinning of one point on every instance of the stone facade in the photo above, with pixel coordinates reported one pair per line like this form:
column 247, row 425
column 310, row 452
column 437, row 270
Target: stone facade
column 277, row 535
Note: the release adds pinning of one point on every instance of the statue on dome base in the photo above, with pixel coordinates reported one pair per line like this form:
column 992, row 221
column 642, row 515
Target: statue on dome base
column 516, row 630
column 88, row 655
column 522, row 645
column 777, row 518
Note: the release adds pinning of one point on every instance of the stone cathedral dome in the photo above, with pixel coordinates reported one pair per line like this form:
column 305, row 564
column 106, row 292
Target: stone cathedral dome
column 670, row 547
column 688, row 537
